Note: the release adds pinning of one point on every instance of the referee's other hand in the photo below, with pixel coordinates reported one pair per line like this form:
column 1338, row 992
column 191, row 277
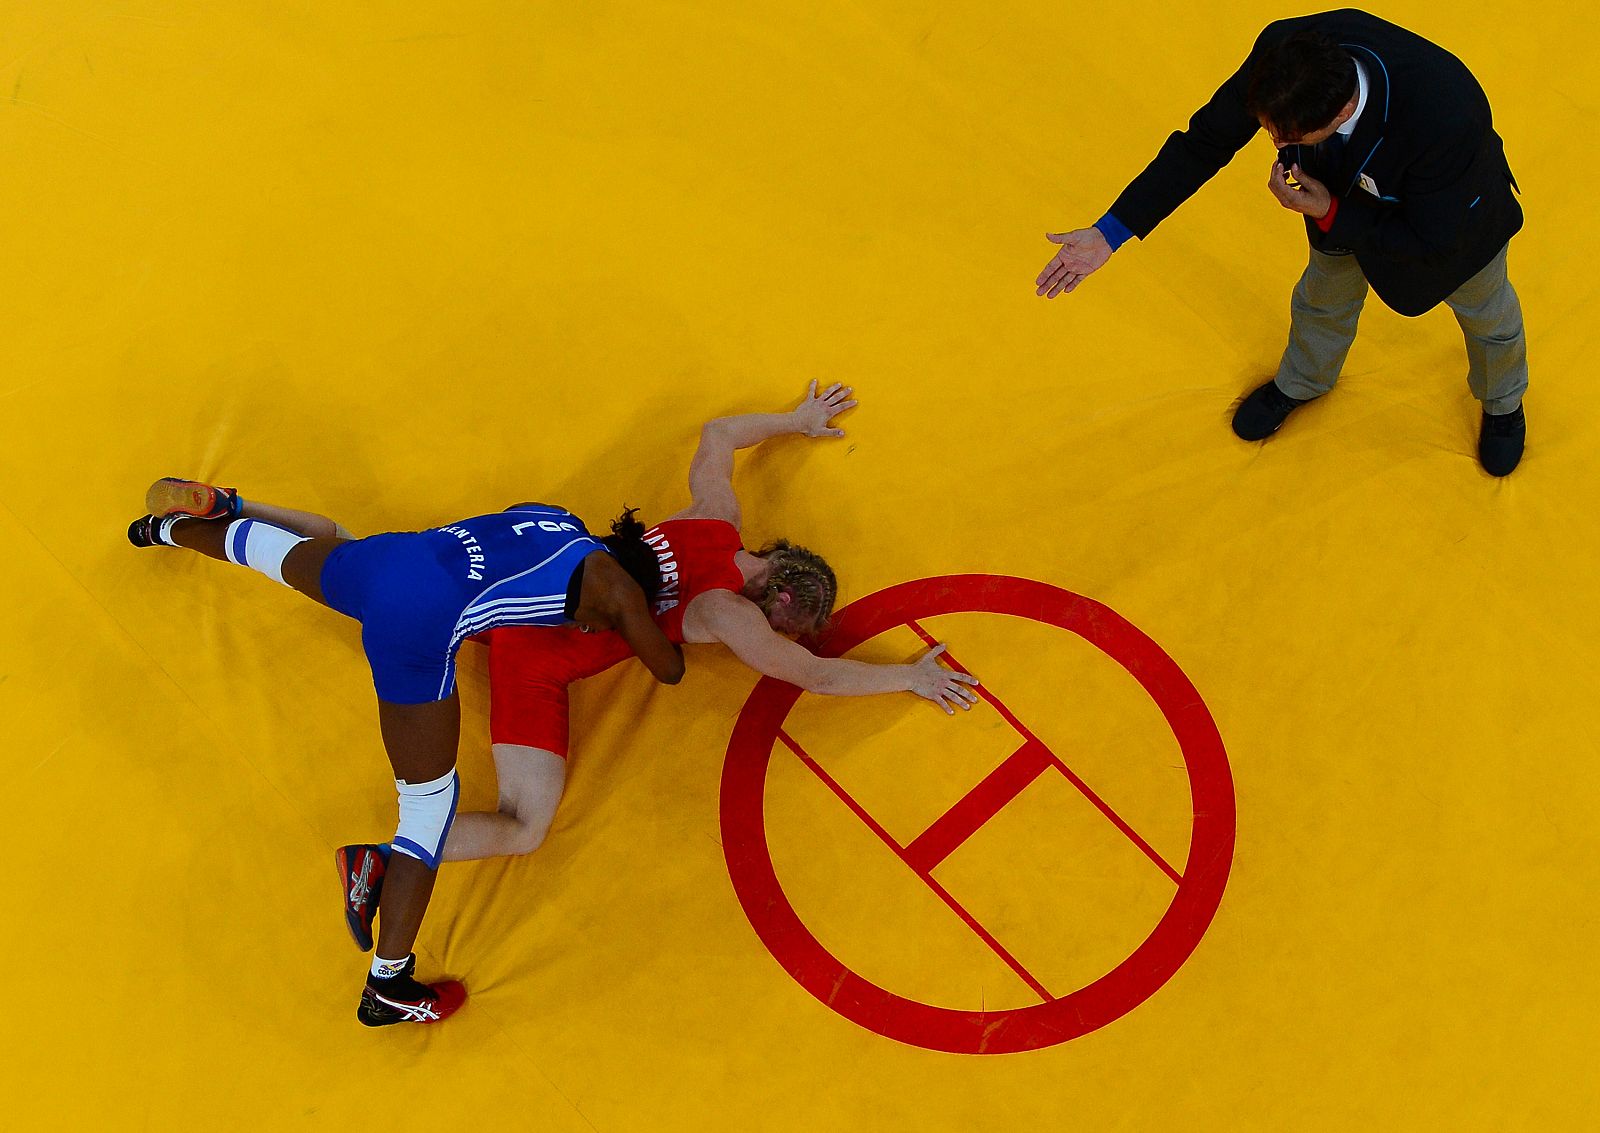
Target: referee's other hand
column 1082, row 251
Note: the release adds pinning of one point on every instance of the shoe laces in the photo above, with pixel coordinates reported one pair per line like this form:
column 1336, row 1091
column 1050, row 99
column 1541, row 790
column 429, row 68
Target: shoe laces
column 1280, row 400
column 1504, row 424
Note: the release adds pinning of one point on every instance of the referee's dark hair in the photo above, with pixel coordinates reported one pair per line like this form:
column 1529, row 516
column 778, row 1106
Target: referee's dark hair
column 1300, row 85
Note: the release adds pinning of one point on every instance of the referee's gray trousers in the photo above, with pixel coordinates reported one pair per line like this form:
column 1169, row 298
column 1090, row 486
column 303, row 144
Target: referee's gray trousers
column 1327, row 303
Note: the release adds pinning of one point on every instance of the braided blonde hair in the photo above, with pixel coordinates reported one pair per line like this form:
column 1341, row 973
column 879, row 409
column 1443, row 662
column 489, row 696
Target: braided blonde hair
column 806, row 578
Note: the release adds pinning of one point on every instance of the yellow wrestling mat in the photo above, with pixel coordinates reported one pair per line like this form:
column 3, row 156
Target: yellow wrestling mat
column 407, row 263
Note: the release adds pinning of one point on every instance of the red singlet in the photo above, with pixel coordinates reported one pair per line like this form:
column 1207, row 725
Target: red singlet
column 529, row 670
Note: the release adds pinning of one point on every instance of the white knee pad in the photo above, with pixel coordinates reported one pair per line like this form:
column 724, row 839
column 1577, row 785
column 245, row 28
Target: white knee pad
column 260, row 546
column 426, row 811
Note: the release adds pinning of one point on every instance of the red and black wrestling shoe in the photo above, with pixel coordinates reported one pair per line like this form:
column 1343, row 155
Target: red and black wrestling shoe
column 172, row 496
column 361, row 870
column 146, row 532
column 400, row 998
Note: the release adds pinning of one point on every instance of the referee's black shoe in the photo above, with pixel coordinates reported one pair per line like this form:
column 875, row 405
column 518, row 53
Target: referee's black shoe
column 1264, row 412
column 1500, row 441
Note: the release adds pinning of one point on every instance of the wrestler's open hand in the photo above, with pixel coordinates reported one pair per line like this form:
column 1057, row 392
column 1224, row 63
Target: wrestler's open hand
column 816, row 411
column 1311, row 198
column 945, row 687
column 1082, row 252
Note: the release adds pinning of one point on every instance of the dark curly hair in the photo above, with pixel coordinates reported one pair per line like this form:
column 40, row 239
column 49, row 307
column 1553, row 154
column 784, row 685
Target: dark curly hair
column 626, row 544
column 1300, row 84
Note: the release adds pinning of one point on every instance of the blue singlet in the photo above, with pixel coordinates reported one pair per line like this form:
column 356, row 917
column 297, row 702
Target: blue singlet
column 419, row 594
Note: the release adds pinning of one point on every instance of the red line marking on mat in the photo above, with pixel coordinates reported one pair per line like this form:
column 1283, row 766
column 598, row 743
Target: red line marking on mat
column 1051, row 759
column 978, row 806
column 747, row 776
column 900, row 851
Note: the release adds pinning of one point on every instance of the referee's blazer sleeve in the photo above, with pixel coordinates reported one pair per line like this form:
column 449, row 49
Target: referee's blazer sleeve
column 1191, row 157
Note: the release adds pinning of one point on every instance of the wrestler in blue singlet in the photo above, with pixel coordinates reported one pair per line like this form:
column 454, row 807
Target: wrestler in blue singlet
column 419, row 594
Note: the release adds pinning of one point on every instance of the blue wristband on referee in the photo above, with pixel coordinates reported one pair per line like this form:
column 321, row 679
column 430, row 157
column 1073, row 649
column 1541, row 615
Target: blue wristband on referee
column 1116, row 233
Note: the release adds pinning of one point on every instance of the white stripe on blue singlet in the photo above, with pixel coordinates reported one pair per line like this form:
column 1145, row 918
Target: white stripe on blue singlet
column 478, row 609
column 537, row 566
column 510, row 615
column 478, row 604
column 481, row 615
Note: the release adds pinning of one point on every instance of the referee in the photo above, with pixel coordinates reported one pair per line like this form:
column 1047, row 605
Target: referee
column 1387, row 149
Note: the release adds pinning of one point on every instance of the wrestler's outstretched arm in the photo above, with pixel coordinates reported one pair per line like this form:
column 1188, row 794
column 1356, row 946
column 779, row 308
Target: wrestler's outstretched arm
column 739, row 624
column 711, row 471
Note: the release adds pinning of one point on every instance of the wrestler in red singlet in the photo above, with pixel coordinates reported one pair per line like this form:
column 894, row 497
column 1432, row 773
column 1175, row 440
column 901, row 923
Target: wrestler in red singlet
column 529, row 672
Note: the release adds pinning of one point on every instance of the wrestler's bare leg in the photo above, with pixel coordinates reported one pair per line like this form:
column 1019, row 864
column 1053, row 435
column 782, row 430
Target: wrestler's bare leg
column 172, row 496
column 531, row 782
column 300, row 522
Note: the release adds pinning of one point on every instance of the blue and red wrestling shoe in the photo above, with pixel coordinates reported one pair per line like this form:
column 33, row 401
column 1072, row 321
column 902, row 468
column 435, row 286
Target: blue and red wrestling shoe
column 172, row 496
column 400, row 998
column 361, row 870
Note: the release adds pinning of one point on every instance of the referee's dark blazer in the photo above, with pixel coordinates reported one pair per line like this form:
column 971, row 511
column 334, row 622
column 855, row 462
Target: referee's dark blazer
column 1425, row 194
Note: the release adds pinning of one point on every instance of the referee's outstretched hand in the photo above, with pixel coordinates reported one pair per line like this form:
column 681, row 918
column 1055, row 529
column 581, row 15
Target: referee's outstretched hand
column 1082, row 252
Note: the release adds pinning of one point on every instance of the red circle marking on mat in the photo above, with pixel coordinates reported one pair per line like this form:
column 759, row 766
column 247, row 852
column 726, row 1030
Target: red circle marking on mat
column 1131, row 982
